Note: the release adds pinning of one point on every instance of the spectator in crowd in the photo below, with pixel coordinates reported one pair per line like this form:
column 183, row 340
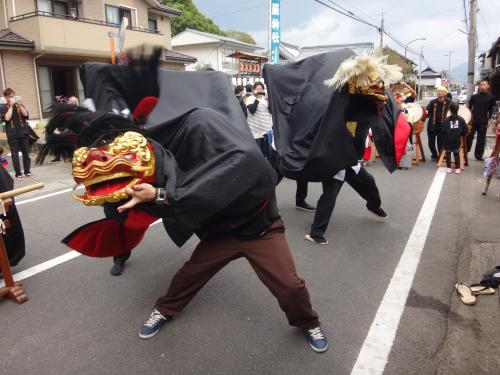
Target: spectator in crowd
column 481, row 106
column 15, row 114
column 437, row 110
column 248, row 92
column 238, row 91
column 259, row 117
column 73, row 100
column 453, row 130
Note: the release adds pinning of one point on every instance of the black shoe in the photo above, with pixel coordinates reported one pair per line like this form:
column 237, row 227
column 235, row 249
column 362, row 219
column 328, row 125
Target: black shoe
column 316, row 239
column 55, row 160
column 303, row 206
column 434, row 158
column 117, row 268
column 379, row 212
column 479, row 159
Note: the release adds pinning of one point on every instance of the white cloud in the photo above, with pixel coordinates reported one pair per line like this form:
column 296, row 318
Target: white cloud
column 437, row 22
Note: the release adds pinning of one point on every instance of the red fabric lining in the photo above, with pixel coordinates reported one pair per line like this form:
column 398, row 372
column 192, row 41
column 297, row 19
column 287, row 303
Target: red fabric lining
column 401, row 134
column 145, row 107
column 108, row 237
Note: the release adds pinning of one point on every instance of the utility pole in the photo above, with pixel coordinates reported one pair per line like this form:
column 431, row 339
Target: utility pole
column 420, row 74
column 382, row 31
column 472, row 38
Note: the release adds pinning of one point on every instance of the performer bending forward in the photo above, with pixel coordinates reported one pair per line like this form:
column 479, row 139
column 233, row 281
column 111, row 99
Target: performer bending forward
column 268, row 254
column 203, row 174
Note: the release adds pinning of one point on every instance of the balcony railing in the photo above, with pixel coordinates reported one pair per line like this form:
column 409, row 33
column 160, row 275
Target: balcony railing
column 79, row 19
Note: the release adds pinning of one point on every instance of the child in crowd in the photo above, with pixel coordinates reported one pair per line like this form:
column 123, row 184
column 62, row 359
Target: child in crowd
column 453, row 130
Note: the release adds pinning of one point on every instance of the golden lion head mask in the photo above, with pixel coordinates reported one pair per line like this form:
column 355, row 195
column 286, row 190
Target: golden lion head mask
column 107, row 170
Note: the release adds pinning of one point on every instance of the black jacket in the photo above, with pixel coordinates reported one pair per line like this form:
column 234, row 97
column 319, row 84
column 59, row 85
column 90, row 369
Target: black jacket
column 481, row 106
column 436, row 113
column 454, row 129
column 16, row 127
column 310, row 119
column 215, row 176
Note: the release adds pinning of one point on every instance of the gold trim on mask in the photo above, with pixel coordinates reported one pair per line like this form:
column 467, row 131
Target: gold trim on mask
column 98, row 171
column 376, row 89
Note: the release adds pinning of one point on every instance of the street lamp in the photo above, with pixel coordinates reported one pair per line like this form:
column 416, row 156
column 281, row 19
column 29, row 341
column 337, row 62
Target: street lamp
column 411, row 41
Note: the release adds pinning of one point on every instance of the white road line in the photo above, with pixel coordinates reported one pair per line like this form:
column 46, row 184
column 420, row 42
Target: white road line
column 43, row 196
column 378, row 343
column 44, row 266
column 50, row 263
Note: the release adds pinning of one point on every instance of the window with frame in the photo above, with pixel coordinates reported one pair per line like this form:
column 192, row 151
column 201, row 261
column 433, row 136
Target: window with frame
column 115, row 14
column 152, row 24
column 58, row 7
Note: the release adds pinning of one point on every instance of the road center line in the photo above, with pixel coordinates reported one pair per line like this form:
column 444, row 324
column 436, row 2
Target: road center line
column 378, row 343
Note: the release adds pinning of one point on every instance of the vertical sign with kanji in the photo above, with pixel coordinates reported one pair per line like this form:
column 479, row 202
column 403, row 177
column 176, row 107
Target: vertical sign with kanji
column 275, row 35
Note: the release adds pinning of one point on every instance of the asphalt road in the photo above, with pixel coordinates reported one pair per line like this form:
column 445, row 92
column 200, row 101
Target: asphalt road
column 81, row 320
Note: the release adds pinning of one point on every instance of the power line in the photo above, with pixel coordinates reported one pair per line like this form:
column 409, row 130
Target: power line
column 346, row 12
column 238, row 11
column 349, row 14
column 466, row 19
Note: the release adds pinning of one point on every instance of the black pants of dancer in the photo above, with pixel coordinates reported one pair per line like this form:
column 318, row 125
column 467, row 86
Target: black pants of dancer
column 480, row 141
column 456, row 157
column 301, row 193
column 363, row 183
column 122, row 258
column 22, row 145
column 271, row 260
column 432, row 136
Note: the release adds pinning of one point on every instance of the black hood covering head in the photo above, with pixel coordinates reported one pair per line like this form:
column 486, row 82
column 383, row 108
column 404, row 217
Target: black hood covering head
column 115, row 88
column 215, row 176
column 86, row 128
column 309, row 119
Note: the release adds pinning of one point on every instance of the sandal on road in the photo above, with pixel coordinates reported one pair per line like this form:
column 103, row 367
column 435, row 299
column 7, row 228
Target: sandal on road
column 465, row 293
column 479, row 289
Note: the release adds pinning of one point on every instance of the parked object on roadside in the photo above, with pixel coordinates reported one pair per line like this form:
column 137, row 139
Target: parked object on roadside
column 480, row 289
column 465, row 293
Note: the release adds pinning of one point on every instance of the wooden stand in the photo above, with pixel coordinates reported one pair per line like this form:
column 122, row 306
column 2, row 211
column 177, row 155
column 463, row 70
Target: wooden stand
column 463, row 156
column 419, row 150
column 12, row 290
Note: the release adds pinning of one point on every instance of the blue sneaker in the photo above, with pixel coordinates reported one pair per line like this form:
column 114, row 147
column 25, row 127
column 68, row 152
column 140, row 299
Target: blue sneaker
column 316, row 339
column 153, row 325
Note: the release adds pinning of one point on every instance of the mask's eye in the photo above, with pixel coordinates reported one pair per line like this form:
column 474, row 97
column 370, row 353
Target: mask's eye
column 129, row 156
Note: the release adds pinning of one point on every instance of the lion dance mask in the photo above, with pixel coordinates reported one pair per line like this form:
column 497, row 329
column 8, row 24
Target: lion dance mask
column 107, row 171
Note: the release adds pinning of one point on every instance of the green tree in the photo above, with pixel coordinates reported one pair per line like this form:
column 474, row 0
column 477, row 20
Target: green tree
column 191, row 18
column 240, row 35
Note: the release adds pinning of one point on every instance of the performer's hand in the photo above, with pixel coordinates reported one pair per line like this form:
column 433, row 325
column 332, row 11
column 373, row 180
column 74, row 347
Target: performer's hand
column 140, row 193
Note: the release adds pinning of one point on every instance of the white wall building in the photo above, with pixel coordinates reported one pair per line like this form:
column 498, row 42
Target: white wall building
column 211, row 49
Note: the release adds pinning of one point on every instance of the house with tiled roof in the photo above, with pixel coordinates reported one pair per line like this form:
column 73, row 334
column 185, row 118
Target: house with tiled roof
column 43, row 42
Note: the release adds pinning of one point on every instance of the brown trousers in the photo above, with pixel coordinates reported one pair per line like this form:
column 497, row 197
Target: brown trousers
column 271, row 260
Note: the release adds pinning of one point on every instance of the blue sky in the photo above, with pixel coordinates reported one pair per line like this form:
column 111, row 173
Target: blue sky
column 305, row 22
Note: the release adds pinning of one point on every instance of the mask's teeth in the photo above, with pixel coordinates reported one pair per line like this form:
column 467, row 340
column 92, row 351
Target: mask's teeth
column 76, row 186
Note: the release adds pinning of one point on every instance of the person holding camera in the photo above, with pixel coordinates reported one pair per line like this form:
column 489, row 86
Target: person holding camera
column 259, row 118
column 15, row 114
column 261, row 124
